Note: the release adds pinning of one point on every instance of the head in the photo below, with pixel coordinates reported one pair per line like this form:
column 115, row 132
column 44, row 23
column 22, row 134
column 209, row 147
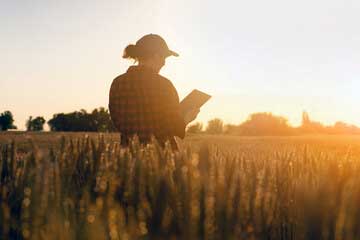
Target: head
column 150, row 51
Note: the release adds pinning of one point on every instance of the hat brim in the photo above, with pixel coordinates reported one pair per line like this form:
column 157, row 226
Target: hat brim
column 172, row 53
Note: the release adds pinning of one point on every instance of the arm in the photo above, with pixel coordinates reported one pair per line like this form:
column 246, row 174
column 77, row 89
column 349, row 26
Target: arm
column 114, row 103
column 173, row 118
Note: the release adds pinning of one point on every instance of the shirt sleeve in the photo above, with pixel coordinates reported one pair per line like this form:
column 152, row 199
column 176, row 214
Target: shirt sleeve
column 173, row 118
column 114, row 102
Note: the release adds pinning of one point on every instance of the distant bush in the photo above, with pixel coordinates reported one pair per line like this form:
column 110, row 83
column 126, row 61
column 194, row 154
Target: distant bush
column 98, row 120
column 6, row 121
column 195, row 128
column 230, row 129
column 215, row 126
column 36, row 124
column 265, row 124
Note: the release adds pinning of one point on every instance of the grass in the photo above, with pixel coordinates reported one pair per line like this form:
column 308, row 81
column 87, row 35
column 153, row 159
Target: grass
column 213, row 188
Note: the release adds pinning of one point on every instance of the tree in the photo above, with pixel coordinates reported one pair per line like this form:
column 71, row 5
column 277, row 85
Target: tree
column 195, row 128
column 305, row 118
column 215, row 126
column 309, row 126
column 6, row 121
column 102, row 120
column 265, row 124
column 344, row 128
column 230, row 128
column 36, row 124
column 80, row 121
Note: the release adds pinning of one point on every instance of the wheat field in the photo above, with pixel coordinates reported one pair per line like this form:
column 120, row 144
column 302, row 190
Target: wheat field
column 85, row 186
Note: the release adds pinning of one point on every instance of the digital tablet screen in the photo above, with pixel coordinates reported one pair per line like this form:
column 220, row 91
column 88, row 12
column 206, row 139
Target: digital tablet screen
column 194, row 100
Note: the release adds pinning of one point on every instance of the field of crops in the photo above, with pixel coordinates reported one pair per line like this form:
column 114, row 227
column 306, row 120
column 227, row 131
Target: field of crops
column 71, row 186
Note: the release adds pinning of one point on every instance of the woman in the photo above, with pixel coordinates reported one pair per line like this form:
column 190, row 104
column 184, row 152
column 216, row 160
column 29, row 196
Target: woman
column 144, row 103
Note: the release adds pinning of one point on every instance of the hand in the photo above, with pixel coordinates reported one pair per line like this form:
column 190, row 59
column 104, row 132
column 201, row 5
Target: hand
column 190, row 115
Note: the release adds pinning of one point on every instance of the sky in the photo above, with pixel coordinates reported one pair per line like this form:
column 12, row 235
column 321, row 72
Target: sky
column 279, row 56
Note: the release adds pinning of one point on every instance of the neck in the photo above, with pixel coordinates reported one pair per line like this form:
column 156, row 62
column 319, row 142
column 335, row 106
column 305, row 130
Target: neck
column 149, row 66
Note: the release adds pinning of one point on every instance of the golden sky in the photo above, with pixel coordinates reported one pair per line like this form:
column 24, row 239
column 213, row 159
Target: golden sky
column 253, row 56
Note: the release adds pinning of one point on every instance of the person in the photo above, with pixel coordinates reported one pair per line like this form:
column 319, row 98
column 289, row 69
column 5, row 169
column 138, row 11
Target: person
column 144, row 103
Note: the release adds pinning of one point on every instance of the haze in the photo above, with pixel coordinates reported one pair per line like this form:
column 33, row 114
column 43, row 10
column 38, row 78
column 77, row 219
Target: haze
column 252, row 56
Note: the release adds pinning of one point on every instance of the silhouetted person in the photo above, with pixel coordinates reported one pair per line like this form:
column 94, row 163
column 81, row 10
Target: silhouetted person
column 144, row 103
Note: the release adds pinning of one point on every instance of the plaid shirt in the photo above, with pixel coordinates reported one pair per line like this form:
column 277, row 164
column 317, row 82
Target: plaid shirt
column 144, row 103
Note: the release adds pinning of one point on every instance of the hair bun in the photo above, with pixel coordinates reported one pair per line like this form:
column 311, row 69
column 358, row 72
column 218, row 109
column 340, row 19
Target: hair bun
column 131, row 51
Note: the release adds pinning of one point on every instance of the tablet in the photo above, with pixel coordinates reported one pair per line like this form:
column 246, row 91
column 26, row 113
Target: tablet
column 195, row 99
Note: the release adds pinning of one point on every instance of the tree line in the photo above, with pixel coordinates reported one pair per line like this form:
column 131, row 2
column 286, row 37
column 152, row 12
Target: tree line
column 267, row 124
column 257, row 124
column 98, row 120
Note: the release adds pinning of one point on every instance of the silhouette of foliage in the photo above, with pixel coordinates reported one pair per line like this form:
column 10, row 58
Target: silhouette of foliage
column 195, row 128
column 344, row 128
column 102, row 120
column 311, row 127
column 258, row 124
column 36, row 124
column 80, row 121
column 265, row 124
column 6, row 121
column 215, row 126
column 230, row 128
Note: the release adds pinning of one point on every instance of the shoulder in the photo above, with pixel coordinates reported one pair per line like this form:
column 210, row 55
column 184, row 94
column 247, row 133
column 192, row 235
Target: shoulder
column 166, row 82
column 120, row 82
column 169, row 88
column 119, row 79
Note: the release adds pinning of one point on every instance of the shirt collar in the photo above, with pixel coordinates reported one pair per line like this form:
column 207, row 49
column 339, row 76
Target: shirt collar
column 137, row 68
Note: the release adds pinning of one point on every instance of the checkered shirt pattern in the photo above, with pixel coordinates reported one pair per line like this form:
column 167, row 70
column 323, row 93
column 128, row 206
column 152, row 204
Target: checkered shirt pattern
column 143, row 103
